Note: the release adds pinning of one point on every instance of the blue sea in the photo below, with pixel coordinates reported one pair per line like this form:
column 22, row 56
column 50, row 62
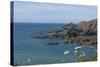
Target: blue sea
column 30, row 51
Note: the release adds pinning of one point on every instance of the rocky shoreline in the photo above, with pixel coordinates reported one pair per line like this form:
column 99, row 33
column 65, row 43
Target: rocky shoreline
column 83, row 32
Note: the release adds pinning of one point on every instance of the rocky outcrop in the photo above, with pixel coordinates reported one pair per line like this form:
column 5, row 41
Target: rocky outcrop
column 85, row 31
column 89, row 27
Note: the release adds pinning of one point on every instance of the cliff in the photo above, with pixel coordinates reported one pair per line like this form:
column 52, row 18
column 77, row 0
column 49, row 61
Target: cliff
column 84, row 32
column 89, row 26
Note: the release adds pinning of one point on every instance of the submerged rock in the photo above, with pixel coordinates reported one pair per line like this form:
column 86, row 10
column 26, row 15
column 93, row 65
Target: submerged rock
column 53, row 43
column 40, row 37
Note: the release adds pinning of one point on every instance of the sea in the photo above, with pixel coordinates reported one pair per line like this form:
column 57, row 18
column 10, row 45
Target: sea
column 33, row 51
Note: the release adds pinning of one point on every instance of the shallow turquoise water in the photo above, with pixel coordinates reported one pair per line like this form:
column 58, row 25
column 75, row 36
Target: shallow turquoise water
column 36, row 51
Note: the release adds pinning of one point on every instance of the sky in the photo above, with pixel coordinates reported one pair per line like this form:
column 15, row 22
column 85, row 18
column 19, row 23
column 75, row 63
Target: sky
column 34, row 12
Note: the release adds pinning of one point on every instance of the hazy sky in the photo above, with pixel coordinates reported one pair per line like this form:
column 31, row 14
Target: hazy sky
column 52, row 13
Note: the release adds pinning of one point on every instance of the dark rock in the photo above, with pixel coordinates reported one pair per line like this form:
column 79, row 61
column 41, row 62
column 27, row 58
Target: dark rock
column 53, row 43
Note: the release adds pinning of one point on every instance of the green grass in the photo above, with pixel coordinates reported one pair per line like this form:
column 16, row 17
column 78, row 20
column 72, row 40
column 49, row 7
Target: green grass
column 93, row 58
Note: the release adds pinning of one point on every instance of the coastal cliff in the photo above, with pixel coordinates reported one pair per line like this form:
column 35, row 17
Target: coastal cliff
column 83, row 32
